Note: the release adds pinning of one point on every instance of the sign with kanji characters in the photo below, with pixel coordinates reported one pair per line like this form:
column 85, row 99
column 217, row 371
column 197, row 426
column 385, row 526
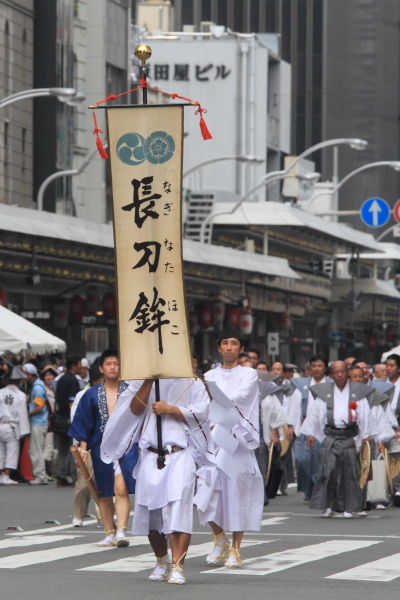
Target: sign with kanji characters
column 145, row 146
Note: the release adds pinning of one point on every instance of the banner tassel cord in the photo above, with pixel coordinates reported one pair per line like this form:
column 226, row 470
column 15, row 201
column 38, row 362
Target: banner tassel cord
column 143, row 84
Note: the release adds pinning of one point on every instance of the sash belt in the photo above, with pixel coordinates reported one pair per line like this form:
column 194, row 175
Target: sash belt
column 165, row 450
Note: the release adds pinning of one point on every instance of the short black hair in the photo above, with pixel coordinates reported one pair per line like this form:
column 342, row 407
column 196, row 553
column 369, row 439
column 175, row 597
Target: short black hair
column 72, row 360
column 110, row 352
column 262, row 362
column 254, row 350
column 316, row 357
column 195, row 356
column 358, row 360
column 353, row 367
column 279, row 363
column 242, row 354
column 396, row 358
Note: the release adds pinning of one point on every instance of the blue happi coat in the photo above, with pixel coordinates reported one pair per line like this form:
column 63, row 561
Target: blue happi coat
column 88, row 426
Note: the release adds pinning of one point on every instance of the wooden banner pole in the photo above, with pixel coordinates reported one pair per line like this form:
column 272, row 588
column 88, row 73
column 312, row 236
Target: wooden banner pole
column 86, row 475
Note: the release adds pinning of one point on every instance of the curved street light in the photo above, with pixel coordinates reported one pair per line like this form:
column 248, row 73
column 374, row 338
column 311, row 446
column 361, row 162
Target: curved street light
column 388, row 230
column 273, row 176
column 355, row 143
column 50, row 178
column 245, row 158
column 61, row 93
column 383, row 163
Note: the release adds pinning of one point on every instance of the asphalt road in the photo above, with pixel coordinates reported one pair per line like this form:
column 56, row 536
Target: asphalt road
column 296, row 555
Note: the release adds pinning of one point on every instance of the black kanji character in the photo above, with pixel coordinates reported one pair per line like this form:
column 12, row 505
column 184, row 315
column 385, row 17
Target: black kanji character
column 175, row 332
column 167, row 207
column 161, row 72
column 168, row 245
column 168, row 267
column 9, row 400
column 200, row 71
column 145, row 315
column 136, row 204
column 167, row 187
column 145, row 246
column 181, row 73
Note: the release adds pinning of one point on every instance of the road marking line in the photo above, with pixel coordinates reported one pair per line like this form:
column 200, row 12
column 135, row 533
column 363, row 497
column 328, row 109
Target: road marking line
column 58, row 528
column 134, row 564
column 279, row 561
column 42, row 556
column 273, row 520
column 384, row 569
column 33, row 541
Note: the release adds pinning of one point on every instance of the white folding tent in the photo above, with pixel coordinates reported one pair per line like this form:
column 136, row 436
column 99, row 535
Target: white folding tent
column 17, row 334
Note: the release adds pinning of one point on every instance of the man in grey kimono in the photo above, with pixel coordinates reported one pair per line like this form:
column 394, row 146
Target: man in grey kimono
column 340, row 420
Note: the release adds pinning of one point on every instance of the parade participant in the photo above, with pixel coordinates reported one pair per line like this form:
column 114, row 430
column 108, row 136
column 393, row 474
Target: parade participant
column 164, row 498
column 243, row 357
column 82, row 493
column 349, row 361
column 226, row 504
column 38, row 417
column 379, row 371
column 393, row 377
column 91, row 416
column 361, row 363
column 14, row 423
column 307, row 459
column 254, row 357
column 340, row 420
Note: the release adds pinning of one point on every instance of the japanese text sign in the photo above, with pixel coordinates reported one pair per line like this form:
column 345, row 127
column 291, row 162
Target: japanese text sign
column 145, row 148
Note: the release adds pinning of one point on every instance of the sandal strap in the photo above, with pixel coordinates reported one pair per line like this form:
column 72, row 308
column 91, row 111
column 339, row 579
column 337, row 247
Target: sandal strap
column 217, row 540
column 236, row 553
column 163, row 561
column 109, row 531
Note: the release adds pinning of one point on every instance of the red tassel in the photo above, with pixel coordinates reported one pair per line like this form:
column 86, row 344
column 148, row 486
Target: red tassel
column 100, row 148
column 204, row 130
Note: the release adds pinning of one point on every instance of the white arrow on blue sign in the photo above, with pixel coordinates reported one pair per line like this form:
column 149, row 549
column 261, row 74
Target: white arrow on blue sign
column 337, row 338
column 375, row 212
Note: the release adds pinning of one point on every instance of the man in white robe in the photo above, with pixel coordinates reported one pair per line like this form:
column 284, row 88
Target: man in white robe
column 224, row 503
column 14, row 423
column 273, row 418
column 393, row 376
column 164, row 498
column 340, row 420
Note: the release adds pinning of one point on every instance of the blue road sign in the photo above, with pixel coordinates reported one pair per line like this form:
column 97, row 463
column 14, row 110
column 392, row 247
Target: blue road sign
column 337, row 338
column 375, row 212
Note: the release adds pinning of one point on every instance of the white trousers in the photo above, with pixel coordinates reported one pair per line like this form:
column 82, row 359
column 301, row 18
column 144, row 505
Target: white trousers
column 36, row 450
column 9, row 454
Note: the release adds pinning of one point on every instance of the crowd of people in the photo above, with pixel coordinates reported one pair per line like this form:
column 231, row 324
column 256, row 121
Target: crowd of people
column 173, row 444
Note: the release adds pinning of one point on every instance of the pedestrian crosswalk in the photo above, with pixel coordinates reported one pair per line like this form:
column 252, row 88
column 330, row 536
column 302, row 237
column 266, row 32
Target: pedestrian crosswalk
column 19, row 552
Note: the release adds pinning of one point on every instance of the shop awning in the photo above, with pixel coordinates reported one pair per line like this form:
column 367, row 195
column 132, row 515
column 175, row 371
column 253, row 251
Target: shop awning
column 220, row 256
column 371, row 287
column 279, row 214
column 18, row 334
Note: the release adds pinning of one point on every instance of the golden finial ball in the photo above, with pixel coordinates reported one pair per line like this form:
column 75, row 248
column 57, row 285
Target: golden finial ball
column 143, row 52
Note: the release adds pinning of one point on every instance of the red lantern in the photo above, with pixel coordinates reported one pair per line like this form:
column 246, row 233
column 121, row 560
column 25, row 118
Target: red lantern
column 206, row 318
column 372, row 344
column 233, row 316
column 193, row 323
column 76, row 308
column 110, row 305
column 60, row 316
column 218, row 311
column 93, row 299
column 246, row 323
column 3, row 298
column 282, row 318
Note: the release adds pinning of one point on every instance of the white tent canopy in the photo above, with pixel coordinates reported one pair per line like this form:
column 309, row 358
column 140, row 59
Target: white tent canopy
column 389, row 352
column 18, row 334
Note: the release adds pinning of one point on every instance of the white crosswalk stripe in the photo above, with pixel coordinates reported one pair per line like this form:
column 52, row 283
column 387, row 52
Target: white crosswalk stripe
column 273, row 520
column 42, row 556
column 384, row 569
column 34, row 540
column 279, row 561
column 134, row 564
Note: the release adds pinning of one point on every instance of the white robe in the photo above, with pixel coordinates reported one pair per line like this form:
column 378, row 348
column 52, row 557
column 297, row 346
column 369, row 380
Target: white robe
column 294, row 411
column 381, row 428
column 316, row 418
column 273, row 416
column 13, row 408
column 235, row 505
column 164, row 498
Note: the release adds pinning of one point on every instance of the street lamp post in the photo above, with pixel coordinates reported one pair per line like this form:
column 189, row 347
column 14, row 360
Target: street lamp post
column 383, row 163
column 48, row 180
column 63, row 94
column 239, row 158
column 273, row 176
column 355, row 143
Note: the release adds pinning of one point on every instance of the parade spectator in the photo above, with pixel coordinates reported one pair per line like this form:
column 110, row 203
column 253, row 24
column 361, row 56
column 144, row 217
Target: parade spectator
column 84, row 371
column 254, row 356
column 48, row 374
column 262, row 366
column 38, row 417
column 243, row 357
column 67, row 388
column 361, row 363
column 349, row 361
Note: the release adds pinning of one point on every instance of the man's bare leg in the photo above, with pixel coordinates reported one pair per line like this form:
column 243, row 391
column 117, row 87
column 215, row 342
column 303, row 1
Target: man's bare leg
column 179, row 543
column 106, row 509
column 159, row 544
column 122, row 510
